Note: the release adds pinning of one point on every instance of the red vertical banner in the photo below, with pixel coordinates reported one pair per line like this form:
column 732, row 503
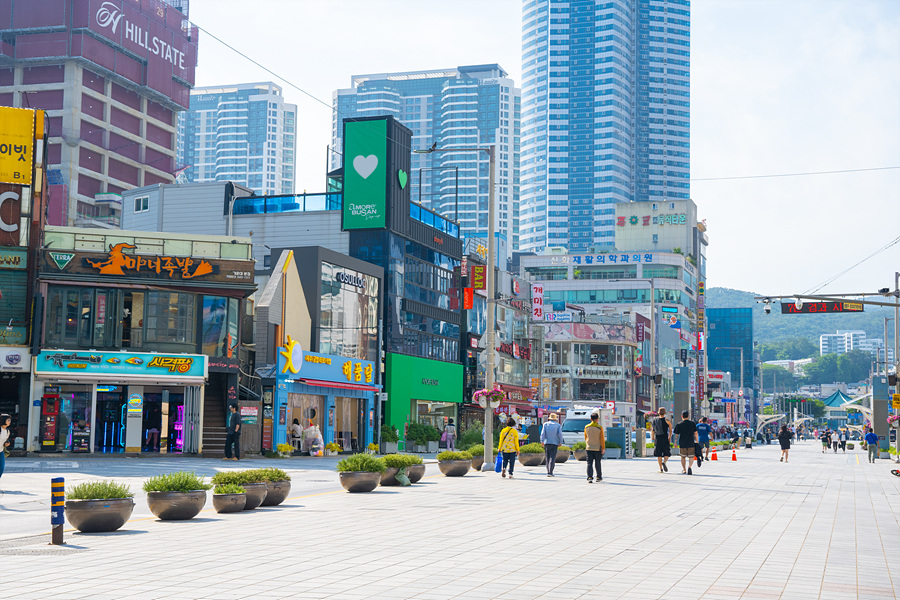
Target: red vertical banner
column 468, row 298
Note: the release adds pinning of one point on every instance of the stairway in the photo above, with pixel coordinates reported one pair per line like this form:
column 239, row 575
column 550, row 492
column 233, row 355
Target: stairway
column 213, row 426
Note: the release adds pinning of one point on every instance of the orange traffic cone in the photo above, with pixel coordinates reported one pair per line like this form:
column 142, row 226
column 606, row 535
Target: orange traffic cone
column 733, row 455
column 714, row 456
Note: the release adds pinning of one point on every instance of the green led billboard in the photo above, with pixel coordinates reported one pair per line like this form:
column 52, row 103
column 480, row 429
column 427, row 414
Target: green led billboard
column 365, row 174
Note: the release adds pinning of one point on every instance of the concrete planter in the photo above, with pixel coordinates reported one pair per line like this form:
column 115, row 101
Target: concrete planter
column 256, row 494
column 389, row 477
column 360, row 481
column 454, row 468
column 580, row 454
column 613, row 453
column 176, row 506
column 477, row 462
column 531, row 460
column 432, row 447
column 276, row 492
column 229, row 503
column 388, row 447
column 90, row 516
column 415, row 472
column 562, row 455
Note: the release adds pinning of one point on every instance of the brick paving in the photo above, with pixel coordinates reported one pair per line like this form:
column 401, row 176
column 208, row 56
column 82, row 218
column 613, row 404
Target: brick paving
column 823, row 526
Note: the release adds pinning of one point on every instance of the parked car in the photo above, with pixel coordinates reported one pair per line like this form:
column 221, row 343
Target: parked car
column 648, row 436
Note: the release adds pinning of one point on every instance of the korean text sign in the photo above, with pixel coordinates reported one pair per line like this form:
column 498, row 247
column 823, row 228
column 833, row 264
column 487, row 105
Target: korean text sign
column 16, row 145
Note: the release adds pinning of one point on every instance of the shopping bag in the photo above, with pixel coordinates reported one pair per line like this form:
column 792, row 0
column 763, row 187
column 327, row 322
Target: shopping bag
column 444, row 437
column 498, row 464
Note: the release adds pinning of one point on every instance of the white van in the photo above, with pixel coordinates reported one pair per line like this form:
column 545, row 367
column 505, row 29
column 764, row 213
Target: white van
column 578, row 418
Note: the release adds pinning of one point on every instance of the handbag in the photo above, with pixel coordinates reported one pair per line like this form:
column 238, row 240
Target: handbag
column 498, row 464
column 444, row 437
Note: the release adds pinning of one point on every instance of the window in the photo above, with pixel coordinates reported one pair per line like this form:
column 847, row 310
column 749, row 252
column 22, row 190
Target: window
column 170, row 317
column 82, row 317
column 141, row 204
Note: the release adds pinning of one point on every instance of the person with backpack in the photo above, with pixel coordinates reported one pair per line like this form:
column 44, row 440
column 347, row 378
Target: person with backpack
column 662, row 432
column 509, row 446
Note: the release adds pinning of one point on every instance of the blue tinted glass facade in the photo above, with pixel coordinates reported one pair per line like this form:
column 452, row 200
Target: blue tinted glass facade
column 605, row 115
column 730, row 328
column 471, row 106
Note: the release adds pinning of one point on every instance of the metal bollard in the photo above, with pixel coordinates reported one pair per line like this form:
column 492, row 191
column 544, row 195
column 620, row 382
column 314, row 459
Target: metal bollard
column 57, row 509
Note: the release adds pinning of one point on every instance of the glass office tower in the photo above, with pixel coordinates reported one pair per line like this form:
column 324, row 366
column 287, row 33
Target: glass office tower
column 605, row 115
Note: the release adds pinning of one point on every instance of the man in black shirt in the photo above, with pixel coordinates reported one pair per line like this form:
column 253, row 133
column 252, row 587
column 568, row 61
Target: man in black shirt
column 687, row 437
column 233, row 433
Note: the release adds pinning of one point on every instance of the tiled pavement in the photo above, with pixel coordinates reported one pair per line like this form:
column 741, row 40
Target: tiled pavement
column 822, row 526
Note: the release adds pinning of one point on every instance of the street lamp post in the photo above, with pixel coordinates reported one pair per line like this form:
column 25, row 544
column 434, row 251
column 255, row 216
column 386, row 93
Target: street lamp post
column 491, row 292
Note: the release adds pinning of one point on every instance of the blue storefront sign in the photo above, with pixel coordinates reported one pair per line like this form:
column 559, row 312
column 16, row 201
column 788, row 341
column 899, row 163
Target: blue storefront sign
column 124, row 366
column 331, row 378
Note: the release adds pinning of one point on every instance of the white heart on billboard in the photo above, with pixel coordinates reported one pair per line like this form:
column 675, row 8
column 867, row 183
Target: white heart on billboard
column 365, row 165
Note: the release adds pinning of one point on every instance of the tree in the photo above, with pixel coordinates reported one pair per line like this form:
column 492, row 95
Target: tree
column 823, row 370
column 783, row 379
column 790, row 349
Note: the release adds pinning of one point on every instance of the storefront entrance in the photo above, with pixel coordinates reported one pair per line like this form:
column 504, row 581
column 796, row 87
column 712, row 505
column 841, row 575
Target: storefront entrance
column 109, row 427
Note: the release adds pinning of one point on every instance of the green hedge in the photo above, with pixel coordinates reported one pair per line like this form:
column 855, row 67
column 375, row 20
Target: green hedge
column 450, row 455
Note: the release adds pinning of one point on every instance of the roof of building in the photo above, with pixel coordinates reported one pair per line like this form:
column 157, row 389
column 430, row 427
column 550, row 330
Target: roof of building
column 837, row 399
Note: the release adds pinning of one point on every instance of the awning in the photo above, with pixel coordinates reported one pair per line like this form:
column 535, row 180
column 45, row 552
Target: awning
column 337, row 384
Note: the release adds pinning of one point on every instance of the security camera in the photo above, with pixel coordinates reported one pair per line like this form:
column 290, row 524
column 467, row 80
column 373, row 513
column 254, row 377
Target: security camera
column 767, row 309
column 798, row 304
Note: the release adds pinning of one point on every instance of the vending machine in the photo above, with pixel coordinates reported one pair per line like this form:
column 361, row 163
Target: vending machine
column 49, row 421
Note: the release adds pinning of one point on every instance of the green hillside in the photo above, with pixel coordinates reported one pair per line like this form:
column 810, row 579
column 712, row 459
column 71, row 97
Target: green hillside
column 776, row 327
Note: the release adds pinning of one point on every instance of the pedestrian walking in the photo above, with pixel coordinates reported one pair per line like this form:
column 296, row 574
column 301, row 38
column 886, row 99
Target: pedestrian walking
column 871, row 444
column 687, row 437
column 784, row 438
column 842, row 438
column 662, row 429
column 835, row 441
column 509, row 446
column 596, row 444
column 825, row 440
column 233, row 433
column 5, row 421
column 450, row 435
column 551, row 438
column 703, row 431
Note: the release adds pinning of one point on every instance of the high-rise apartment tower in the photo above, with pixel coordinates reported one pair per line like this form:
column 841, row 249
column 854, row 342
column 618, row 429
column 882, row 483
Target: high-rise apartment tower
column 605, row 115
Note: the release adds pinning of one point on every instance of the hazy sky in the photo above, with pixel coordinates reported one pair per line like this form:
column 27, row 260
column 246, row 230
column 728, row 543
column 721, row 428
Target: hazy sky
column 777, row 87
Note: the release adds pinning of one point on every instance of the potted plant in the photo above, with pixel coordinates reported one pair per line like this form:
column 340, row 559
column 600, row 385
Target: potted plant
column 416, row 437
column 254, row 485
column 372, row 448
column 492, row 396
column 389, row 438
column 95, row 506
column 454, row 464
column 613, row 450
column 361, row 472
column 563, row 453
column 396, row 471
column 229, row 498
column 284, row 450
column 432, row 437
column 579, row 449
column 176, row 496
column 332, row 449
column 415, row 468
column 278, row 485
column 477, row 452
column 531, row 455
column 894, row 421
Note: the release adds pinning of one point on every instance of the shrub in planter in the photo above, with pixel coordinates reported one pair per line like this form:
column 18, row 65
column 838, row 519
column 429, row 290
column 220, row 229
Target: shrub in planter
column 361, row 472
column 579, row 449
column 613, row 450
column 176, row 496
column 278, row 485
column 284, row 450
column 415, row 468
column 563, row 453
column 254, row 482
column 395, row 473
column 454, row 464
column 531, row 455
column 474, row 434
column 95, row 506
column 229, row 497
column 477, row 452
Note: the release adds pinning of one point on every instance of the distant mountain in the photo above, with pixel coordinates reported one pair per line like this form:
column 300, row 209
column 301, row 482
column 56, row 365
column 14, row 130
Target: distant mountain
column 776, row 327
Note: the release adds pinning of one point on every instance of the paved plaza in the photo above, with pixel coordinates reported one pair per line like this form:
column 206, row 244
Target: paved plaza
column 823, row 526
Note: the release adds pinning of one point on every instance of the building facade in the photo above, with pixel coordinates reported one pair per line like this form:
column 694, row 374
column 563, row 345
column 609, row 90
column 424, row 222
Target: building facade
column 141, row 341
column 243, row 133
column 730, row 341
column 469, row 107
column 112, row 77
column 605, row 115
column 844, row 341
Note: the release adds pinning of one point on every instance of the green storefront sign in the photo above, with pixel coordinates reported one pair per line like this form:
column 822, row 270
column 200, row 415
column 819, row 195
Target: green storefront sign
column 365, row 174
column 408, row 378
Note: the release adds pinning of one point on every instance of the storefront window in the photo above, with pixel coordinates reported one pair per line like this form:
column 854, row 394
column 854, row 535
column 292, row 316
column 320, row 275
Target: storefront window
column 215, row 309
column 307, row 409
column 435, row 413
column 74, row 413
column 170, row 317
column 348, row 321
column 346, row 425
column 82, row 317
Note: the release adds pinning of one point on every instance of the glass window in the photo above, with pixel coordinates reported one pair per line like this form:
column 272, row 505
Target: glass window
column 170, row 317
column 215, row 309
column 82, row 317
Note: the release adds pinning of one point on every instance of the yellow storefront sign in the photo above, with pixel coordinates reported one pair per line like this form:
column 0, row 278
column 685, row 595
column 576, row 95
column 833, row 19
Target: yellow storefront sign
column 895, row 401
column 16, row 145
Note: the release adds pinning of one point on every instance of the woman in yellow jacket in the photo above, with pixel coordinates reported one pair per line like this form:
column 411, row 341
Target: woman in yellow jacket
column 509, row 446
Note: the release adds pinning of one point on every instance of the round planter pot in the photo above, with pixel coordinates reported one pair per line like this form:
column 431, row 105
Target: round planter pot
column 562, row 456
column 454, row 468
column 477, row 462
column 388, row 478
column 415, row 473
column 256, row 494
column 580, row 454
column 360, row 481
column 276, row 492
column 91, row 516
column 176, row 506
column 530, row 460
column 229, row 503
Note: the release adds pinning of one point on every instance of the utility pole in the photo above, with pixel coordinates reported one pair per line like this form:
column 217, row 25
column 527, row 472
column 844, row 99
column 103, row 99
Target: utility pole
column 491, row 315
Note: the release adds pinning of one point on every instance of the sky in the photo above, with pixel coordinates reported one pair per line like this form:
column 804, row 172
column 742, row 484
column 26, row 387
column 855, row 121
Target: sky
column 777, row 87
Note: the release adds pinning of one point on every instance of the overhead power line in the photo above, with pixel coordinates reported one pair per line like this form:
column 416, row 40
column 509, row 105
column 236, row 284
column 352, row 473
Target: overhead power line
column 893, row 242
column 794, row 174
